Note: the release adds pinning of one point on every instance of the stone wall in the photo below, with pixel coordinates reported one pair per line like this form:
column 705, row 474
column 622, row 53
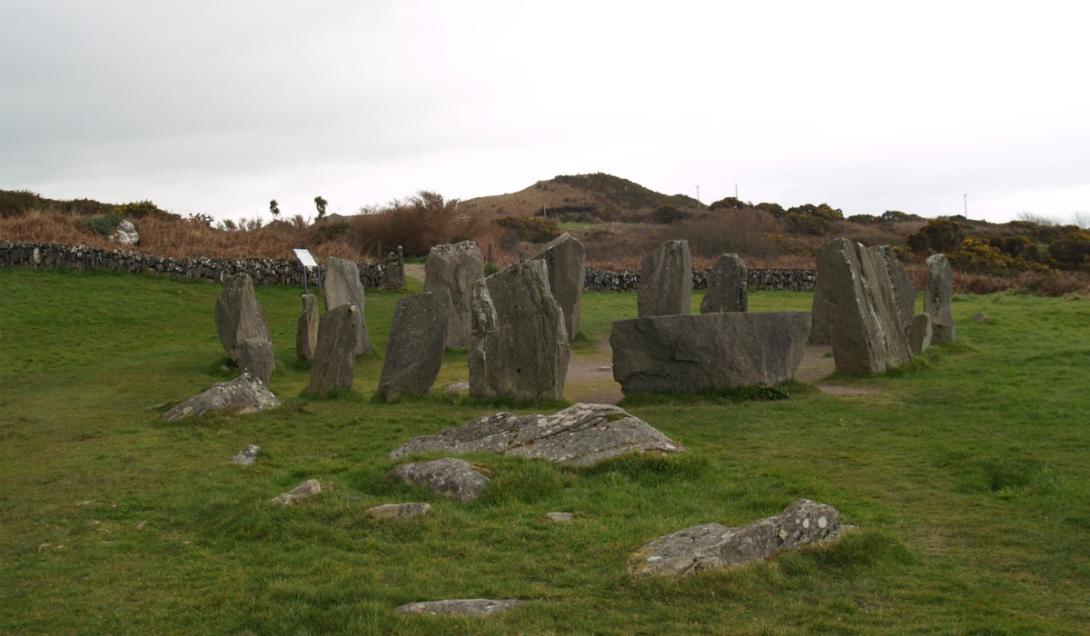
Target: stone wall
column 264, row 271
column 270, row 271
column 779, row 279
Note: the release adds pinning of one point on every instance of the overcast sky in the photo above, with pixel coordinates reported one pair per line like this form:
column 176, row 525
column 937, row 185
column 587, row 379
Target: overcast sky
column 217, row 107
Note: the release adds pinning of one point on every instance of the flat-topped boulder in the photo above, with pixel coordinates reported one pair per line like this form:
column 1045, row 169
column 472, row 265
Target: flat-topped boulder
column 666, row 281
column 240, row 320
column 335, row 358
column 245, row 394
column 454, row 268
column 342, row 286
column 936, row 300
column 581, row 435
column 415, row 349
column 727, row 286
column 519, row 347
column 566, row 259
column 707, row 352
column 452, row 478
column 713, row 545
column 865, row 322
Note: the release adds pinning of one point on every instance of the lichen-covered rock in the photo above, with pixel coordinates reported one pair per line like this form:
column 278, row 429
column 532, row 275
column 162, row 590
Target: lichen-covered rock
column 726, row 286
column 452, row 478
column 239, row 316
column 713, row 545
column 460, row 607
column 693, row 354
column 666, row 281
column 904, row 293
column 244, row 394
column 519, row 347
column 395, row 270
column 125, row 233
column 256, row 357
column 865, row 324
column 335, row 358
column 343, row 287
column 414, row 353
column 454, row 268
column 936, row 300
column 566, row 259
column 398, row 510
column 306, row 329
column 919, row 334
column 307, row 489
column 582, row 435
column 247, row 456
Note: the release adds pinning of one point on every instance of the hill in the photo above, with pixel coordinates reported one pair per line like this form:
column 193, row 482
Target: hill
column 587, row 197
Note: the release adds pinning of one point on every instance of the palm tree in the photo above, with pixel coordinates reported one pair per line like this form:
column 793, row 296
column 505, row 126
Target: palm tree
column 320, row 203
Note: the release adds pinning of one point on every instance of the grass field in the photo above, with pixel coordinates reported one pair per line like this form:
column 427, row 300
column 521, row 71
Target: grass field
column 967, row 473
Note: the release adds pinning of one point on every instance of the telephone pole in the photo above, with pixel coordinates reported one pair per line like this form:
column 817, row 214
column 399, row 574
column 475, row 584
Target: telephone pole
column 965, row 204
column 697, row 193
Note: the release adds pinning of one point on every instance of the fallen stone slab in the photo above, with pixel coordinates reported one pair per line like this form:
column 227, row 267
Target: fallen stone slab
column 454, row 268
column 449, row 477
column 245, row 394
column 581, row 435
column 342, row 286
column 566, row 259
column 247, row 456
column 460, row 607
column 666, row 281
column 560, row 517
column 713, row 545
column 727, row 286
column 707, row 352
column 398, row 510
column 519, row 346
column 308, row 488
column 414, row 352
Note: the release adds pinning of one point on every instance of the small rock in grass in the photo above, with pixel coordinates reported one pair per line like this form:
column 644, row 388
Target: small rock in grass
column 560, row 517
column 306, row 489
column 247, row 456
column 453, row 478
column 980, row 316
column 460, row 607
column 398, row 511
column 458, row 388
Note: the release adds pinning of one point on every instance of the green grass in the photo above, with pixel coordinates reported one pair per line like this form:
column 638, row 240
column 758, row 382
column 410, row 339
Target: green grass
column 967, row 476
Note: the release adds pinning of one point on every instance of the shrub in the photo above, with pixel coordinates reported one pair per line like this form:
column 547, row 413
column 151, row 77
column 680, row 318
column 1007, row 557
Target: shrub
column 104, row 225
column 529, row 228
column 666, row 214
column 727, row 203
column 1071, row 253
column 417, row 224
column 978, row 256
column 939, row 235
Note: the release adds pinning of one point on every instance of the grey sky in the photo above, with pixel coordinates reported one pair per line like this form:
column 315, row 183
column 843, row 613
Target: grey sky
column 217, row 107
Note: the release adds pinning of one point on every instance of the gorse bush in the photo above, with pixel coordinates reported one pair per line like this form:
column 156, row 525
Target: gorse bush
column 104, row 225
column 939, row 235
column 530, row 229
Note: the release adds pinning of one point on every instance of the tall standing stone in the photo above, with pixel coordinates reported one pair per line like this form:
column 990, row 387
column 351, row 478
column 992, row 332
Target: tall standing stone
column 727, row 286
column 335, row 358
column 666, row 281
column 519, row 344
column 241, row 326
column 415, row 350
column 819, row 316
column 903, row 291
column 454, row 268
column 395, row 270
column 343, row 287
column 566, row 259
column 936, row 302
column 864, row 321
column 306, row 330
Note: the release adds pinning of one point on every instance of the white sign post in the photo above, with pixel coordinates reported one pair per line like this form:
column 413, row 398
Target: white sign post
column 306, row 259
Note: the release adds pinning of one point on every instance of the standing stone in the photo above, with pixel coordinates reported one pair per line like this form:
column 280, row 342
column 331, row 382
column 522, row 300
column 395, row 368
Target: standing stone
column 242, row 328
column 936, row 302
column 417, row 341
column 306, row 332
column 726, row 286
column 335, row 358
column 819, row 317
column 919, row 334
column 519, row 347
column 903, row 291
column 666, row 281
column 864, row 322
column 709, row 352
column 566, row 259
column 343, row 287
column 454, row 268
column 395, row 270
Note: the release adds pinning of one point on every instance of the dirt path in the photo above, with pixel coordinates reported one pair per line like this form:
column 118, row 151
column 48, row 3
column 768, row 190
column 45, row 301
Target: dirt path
column 590, row 377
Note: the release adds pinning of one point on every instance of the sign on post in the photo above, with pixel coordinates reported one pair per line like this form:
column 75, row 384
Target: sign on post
column 306, row 259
